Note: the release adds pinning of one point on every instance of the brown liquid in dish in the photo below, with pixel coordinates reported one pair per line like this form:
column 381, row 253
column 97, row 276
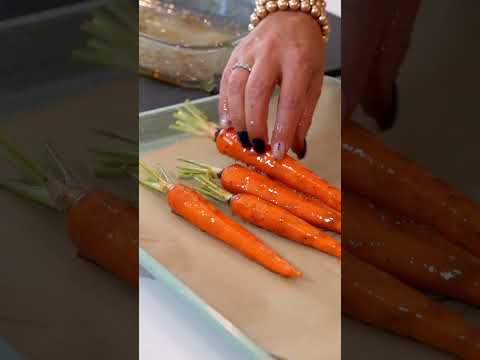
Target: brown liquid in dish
column 174, row 25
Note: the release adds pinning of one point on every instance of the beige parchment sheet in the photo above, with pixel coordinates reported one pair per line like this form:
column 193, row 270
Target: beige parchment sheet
column 295, row 319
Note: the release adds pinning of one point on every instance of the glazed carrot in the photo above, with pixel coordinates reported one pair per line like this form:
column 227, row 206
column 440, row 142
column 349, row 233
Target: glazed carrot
column 372, row 169
column 373, row 236
column 187, row 203
column 238, row 179
column 378, row 299
column 271, row 217
column 287, row 170
column 433, row 238
column 103, row 227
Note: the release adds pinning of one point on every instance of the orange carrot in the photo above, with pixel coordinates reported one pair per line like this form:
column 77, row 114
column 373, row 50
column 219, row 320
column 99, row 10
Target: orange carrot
column 187, row 203
column 373, row 236
column 287, row 170
column 378, row 299
column 433, row 238
column 280, row 221
column 238, row 179
column 271, row 217
column 104, row 229
column 372, row 169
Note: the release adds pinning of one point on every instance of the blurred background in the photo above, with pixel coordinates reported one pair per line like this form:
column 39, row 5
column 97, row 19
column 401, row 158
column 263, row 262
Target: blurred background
column 53, row 303
column 12, row 8
column 437, row 126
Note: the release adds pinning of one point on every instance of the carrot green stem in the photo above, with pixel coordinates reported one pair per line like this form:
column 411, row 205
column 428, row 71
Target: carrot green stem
column 107, row 171
column 47, row 189
column 114, row 36
column 39, row 194
column 157, row 180
column 59, row 164
column 115, row 158
column 209, row 188
column 192, row 168
column 34, row 171
column 113, row 164
column 191, row 120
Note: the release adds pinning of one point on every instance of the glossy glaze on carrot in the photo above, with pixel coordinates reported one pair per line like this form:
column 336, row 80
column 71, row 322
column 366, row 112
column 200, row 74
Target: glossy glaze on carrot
column 282, row 222
column 238, row 179
column 393, row 181
column 435, row 239
column 104, row 229
column 189, row 204
column 373, row 236
column 380, row 300
column 287, row 170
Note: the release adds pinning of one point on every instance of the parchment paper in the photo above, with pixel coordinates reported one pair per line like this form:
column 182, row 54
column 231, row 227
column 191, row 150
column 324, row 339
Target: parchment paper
column 296, row 319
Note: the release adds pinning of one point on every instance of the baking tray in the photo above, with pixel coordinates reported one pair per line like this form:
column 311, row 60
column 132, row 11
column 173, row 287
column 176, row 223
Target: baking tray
column 154, row 134
column 308, row 311
column 192, row 326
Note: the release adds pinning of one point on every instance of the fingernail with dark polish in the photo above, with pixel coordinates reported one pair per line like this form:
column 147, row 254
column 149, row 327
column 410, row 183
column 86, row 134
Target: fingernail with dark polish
column 259, row 146
column 244, row 139
column 302, row 154
column 278, row 150
column 225, row 122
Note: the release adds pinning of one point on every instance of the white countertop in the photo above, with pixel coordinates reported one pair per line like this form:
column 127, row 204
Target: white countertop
column 171, row 329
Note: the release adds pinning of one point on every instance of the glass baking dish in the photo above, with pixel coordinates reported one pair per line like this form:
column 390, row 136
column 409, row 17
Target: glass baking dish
column 188, row 42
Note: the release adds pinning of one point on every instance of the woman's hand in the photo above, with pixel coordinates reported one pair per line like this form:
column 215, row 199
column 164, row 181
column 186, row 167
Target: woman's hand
column 285, row 48
column 376, row 37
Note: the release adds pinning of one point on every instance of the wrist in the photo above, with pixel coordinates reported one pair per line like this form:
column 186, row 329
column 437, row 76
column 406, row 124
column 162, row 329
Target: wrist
column 314, row 8
column 289, row 21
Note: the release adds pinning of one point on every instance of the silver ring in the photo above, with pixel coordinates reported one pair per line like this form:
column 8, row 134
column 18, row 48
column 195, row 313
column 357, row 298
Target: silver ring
column 242, row 66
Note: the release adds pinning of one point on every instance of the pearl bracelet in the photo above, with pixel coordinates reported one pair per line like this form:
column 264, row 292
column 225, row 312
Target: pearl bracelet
column 315, row 8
